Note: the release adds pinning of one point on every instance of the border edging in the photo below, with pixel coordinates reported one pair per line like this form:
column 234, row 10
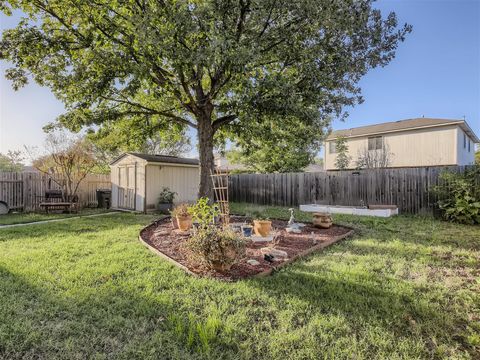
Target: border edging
column 265, row 273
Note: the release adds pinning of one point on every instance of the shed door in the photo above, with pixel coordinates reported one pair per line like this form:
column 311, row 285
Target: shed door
column 126, row 187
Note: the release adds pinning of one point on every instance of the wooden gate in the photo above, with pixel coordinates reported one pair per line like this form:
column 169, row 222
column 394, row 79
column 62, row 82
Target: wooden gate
column 127, row 176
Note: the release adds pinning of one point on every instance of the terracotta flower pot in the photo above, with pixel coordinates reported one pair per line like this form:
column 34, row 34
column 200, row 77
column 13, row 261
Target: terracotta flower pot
column 184, row 222
column 322, row 220
column 262, row 227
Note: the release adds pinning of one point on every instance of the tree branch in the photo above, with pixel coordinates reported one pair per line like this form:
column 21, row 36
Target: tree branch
column 223, row 120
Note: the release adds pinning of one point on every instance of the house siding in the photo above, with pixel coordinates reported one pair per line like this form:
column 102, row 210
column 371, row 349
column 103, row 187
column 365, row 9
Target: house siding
column 464, row 157
column 420, row 147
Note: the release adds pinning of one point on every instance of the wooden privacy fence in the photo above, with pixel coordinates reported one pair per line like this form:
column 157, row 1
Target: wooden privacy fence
column 408, row 188
column 25, row 191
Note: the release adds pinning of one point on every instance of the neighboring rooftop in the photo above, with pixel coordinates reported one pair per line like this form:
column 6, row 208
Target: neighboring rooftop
column 160, row 159
column 401, row 125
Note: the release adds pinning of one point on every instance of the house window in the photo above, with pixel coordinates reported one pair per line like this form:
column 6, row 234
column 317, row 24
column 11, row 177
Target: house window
column 375, row 143
column 468, row 145
column 332, row 148
column 464, row 141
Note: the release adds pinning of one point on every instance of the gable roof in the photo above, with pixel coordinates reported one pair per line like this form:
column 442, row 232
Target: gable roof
column 408, row 124
column 159, row 159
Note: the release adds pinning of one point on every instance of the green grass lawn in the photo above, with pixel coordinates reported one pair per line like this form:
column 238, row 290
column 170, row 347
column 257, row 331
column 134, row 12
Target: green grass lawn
column 28, row 217
column 402, row 288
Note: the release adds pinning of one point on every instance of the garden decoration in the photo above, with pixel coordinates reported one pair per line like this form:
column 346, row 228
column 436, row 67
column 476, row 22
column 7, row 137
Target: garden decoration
column 220, row 190
column 247, row 230
column 322, row 220
column 293, row 227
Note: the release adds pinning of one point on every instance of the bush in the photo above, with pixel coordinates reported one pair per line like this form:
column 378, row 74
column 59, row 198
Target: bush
column 203, row 213
column 459, row 196
column 166, row 196
column 218, row 248
column 182, row 210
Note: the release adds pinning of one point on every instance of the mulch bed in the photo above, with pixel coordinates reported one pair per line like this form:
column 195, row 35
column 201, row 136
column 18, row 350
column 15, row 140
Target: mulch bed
column 161, row 238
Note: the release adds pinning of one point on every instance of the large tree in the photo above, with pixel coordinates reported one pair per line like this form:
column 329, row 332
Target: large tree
column 206, row 64
column 271, row 146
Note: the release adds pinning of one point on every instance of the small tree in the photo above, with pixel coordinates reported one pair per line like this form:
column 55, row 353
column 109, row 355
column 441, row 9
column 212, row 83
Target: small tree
column 11, row 161
column 477, row 157
column 343, row 159
column 371, row 159
column 68, row 160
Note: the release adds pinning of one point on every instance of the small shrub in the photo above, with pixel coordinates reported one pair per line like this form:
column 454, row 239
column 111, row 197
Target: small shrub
column 166, row 196
column 218, row 248
column 203, row 213
column 182, row 210
column 459, row 196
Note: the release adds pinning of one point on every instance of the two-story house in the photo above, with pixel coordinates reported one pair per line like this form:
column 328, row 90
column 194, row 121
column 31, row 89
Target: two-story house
column 405, row 143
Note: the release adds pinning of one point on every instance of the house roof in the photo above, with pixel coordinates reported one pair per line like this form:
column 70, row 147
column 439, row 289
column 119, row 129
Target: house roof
column 401, row 125
column 160, row 159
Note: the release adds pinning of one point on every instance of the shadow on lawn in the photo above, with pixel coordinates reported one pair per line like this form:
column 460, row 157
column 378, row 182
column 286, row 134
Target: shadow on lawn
column 77, row 226
column 366, row 300
column 112, row 322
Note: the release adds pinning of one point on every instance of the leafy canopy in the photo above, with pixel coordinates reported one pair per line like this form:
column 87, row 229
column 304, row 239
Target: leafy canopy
column 202, row 63
column 273, row 146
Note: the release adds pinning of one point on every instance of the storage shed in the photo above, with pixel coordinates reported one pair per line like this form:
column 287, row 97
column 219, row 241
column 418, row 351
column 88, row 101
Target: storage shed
column 137, row 180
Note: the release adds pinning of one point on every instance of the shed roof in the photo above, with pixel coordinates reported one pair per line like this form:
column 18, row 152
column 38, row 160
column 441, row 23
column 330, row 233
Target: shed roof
column 400, row 125
column 160, row 159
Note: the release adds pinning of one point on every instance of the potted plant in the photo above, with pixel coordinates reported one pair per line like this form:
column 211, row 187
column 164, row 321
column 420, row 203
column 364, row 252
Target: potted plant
column 247, row 230
column 262, row 226
column 216, row 247
column 183, row 216
column 165, row 200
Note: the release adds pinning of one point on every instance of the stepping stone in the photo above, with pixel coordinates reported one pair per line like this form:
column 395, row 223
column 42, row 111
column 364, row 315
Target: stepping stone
column 280, row 254
column 253, row 262
column 259, row 239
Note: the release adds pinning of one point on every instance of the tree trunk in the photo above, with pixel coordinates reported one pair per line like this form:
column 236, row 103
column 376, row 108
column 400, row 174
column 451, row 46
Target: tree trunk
column 205, row 145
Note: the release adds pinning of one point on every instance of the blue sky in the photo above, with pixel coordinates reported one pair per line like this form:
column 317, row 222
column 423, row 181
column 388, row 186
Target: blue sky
column 436, row 73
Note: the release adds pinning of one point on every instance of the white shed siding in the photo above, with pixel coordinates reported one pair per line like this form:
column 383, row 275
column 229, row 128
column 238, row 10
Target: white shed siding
column 182, row 179
column 421, row 147
column 464, row 157
column 129, row 172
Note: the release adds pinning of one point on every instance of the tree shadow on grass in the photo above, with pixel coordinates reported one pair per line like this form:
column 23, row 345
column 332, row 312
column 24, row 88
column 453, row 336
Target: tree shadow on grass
column 113, row 322
column 71, row 227
column 366, row 301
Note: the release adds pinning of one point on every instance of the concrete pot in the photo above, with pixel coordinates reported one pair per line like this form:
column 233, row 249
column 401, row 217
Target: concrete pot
column 322, row 220
column 165, row 208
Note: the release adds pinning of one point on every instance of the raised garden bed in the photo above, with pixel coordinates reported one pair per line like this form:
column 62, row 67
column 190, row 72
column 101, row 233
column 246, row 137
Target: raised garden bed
column 164, row 240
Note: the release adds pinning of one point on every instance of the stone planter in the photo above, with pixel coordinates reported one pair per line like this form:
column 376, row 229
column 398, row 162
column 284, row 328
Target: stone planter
column 322, row 220
column 165, row 208
column 262, row 227
column 184, row 222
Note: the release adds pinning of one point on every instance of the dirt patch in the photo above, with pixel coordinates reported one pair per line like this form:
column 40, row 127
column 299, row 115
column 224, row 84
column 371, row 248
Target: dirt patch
column 161, row 238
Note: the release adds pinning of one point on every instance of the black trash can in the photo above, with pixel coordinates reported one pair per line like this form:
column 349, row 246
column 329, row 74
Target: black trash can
column 104, row 198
